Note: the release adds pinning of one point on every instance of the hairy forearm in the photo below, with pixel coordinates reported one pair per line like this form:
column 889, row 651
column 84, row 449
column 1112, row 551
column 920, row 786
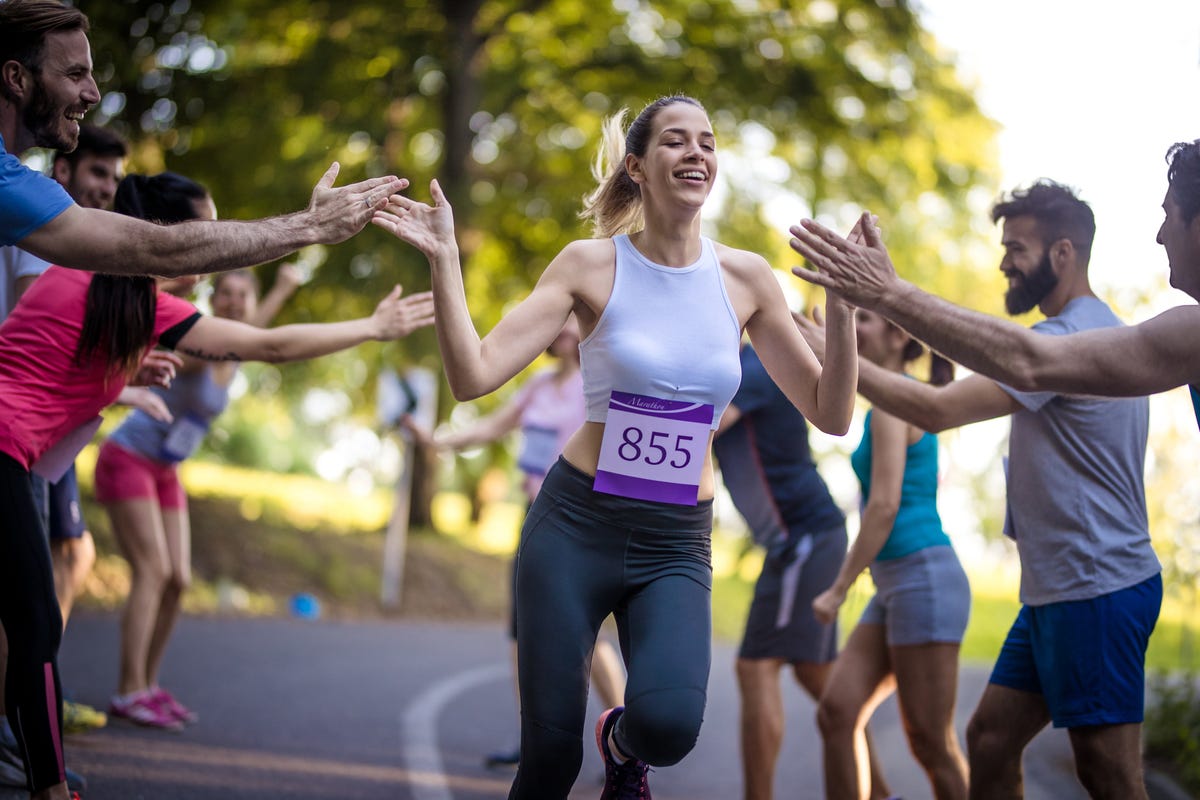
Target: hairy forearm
column 101, row 241
column 206, row 246
column 997, row 348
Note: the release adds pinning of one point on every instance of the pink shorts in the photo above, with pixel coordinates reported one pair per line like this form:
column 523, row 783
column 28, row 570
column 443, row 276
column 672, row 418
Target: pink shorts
column 124, row 475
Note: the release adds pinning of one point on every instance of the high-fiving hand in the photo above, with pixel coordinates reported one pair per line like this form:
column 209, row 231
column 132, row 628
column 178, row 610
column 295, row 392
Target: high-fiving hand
column 858, row 267
column 397, row 316
column 429, row 228
column 337, row 214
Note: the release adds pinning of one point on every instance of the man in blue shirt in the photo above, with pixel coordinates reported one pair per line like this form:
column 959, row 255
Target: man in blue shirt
column 46, row 87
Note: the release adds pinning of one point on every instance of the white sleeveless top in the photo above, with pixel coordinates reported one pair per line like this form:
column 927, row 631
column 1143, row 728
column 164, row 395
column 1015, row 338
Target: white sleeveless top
column 666, row 332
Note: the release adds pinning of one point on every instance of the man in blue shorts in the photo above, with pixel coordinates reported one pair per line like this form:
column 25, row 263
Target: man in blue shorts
column 46, row 87
column 766, row 464
column 1090, row 581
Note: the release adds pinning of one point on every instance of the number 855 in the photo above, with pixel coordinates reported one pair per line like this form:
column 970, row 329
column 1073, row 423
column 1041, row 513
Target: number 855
column 631, row 447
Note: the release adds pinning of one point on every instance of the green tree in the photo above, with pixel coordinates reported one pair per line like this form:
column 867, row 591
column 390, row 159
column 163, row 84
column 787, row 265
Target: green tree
column 840, row 103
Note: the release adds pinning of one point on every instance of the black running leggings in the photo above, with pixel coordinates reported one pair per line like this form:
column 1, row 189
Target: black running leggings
column 33, row 624
column 585, row 555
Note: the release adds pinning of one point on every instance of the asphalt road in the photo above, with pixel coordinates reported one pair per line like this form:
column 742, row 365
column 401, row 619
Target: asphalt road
column 313, row 709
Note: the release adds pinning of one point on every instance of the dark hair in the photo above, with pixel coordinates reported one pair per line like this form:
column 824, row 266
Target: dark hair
column 1060, row 214
column 94, row 141
column 118, row 322
column 24, row 25
column 615, row 206
column 1183, row 177
column 941, row 369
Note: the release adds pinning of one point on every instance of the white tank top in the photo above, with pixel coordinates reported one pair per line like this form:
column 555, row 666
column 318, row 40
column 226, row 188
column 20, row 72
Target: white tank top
column 666, row 332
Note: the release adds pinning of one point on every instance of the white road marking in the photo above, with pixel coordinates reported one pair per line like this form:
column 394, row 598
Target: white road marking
column 418, row 734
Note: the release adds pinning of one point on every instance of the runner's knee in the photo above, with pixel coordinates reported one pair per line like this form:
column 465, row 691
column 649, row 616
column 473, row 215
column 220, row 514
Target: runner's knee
column 661, row 727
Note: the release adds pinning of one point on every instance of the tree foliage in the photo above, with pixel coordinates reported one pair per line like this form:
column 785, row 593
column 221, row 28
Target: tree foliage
column 825, row 106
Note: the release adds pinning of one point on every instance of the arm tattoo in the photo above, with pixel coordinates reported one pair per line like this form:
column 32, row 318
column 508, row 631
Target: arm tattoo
column 230, row 356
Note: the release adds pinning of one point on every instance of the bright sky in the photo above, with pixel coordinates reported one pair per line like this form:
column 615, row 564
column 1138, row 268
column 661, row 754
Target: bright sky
column 1091, row 95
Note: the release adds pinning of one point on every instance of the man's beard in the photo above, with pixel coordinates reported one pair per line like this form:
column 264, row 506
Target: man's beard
column 47, row 122
column 1031, row 289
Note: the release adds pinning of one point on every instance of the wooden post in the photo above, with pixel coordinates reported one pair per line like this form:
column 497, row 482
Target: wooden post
column 416, row 394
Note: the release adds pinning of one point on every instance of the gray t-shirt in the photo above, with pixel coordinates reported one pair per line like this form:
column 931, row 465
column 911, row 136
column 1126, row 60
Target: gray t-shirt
column 1076, row 495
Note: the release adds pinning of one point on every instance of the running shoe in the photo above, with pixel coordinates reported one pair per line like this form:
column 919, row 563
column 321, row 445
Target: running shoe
column 80, row 718
column 625, row 781
column 140, row 709
column 168, row 703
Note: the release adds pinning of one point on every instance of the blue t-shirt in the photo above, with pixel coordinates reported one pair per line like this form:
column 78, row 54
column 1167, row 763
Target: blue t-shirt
column 917, row 524
column 766, row 462
column 28, row 199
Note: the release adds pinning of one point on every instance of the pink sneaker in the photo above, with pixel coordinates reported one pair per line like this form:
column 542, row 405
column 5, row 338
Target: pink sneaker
column 142, row 710
column 167, row 702
column 625, row 781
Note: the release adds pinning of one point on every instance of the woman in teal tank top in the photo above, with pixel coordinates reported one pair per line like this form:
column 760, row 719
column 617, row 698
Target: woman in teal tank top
column 908, row 637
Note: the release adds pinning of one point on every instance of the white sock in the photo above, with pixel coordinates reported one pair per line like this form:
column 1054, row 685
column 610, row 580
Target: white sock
column 613, row 750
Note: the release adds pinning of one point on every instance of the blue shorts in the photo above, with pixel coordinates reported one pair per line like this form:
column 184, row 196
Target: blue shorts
column 920, row 598
column 60, row 507
column 1087, row 658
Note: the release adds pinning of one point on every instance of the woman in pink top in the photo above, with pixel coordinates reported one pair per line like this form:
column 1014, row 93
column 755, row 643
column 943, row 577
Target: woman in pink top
column 67, row 350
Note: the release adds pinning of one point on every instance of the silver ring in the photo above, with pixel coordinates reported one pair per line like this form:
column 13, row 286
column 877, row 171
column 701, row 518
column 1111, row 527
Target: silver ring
column 367, row 202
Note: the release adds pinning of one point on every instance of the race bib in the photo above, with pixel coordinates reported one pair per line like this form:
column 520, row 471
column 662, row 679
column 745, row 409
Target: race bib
column 184, row 438
column 539, row 449
column 653, row 449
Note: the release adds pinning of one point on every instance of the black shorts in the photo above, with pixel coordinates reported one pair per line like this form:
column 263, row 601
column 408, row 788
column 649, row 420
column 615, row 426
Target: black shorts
column 781, row 623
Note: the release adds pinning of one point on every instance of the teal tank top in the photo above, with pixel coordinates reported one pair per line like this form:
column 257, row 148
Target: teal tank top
column 1196, row 402
column 917, row 524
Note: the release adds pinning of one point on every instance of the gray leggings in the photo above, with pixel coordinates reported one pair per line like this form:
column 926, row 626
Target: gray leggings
column 584, row 555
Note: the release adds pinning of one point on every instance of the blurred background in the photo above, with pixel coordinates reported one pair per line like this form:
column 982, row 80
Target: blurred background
column 922, row 112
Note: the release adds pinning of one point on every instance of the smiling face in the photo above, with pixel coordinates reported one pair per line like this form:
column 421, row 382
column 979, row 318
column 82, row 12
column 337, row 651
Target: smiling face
column 1026, row 264
column 681, row 159
column 60, row 91
column 92, row 180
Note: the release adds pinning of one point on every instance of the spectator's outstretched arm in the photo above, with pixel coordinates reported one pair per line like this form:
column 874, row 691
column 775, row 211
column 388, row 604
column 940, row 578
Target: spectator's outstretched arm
column 217, row 339
column 101, row 241
column 1156, row 355
column 475, row 366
